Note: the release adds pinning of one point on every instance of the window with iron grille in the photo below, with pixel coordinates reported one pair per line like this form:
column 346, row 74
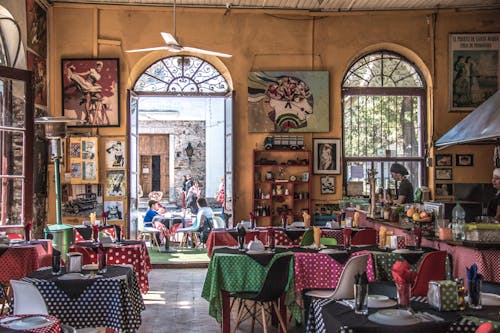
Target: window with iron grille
column 383, row 96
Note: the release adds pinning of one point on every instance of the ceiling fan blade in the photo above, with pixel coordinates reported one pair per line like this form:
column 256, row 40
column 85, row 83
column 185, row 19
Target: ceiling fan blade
column 169, row 39
column 196, row 50
column 148, row 49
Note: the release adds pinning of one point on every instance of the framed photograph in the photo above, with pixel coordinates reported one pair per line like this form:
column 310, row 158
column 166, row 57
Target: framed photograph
column 114, row 209
column 464, row 160
column 288, row 101
column 81, row 200
column 444, row 189
column 114, row 151
column 83, row 159
column 473, row 68
column 90, row 91
column 444, row 174
column 326, row 156
column 327, row 185
column 444, row 160
column 115, row 183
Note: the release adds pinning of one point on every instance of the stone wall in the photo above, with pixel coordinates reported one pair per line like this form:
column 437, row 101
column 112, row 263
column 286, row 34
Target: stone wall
column 181, row 133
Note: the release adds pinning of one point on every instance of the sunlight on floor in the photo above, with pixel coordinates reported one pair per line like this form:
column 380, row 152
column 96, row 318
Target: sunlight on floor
column 154, row 297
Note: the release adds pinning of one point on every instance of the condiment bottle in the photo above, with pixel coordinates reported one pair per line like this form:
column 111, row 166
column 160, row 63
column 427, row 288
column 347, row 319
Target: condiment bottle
column 460, row 294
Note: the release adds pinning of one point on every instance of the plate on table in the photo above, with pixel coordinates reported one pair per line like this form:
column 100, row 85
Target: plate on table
column 257, row 252
column 72, row 276
column 90, row 267
column 380, row 301
column 28, row 323
column 490, row 299
column 394, row 317
column 403, row 251
column 332, row 251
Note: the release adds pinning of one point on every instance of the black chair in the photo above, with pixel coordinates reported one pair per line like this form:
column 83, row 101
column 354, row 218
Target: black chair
column 269, row 295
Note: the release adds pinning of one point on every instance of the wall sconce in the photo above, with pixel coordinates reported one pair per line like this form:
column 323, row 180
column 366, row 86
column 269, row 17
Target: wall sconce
column 189, row 151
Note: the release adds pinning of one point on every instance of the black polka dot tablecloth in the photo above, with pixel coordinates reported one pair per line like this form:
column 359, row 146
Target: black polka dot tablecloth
column 113, row 300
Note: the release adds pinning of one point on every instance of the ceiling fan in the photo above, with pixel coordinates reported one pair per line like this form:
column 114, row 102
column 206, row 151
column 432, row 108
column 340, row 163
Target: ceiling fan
column 173, row 45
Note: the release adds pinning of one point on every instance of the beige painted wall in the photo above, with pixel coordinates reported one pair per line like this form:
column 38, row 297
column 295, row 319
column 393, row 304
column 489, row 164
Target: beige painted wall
column 272, row 40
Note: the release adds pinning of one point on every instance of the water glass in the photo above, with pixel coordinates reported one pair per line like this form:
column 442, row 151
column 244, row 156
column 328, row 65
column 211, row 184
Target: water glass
column 475, row 294
column 403, row 293
column 101, row 263
column 361, row 299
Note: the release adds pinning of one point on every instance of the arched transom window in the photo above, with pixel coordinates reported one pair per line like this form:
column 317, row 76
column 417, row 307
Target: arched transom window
column 184, row 75
column 383, row 98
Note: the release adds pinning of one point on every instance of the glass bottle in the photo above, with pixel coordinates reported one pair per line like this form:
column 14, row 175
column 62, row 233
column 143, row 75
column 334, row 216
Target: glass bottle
column 460, row 294
column 458, row 222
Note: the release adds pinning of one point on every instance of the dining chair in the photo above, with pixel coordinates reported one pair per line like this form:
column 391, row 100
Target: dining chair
column 268, row 296
column 365, row 237
column 218, row 222
column 485, row 328
column 328, row 241
column 344, row 289
column 432, row 267
column 148, row 233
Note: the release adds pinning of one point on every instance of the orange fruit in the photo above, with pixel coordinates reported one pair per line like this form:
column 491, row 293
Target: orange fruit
column 410, row 212
column 424, row 214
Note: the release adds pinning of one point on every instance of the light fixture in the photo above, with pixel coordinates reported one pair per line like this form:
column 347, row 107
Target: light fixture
column 189, row 151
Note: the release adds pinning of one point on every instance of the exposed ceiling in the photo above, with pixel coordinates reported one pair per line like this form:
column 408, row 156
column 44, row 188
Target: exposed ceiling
column 313, row 5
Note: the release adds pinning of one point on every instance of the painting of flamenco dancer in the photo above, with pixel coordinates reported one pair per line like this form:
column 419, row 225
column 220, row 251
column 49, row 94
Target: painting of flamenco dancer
column 90, row 91
column 288, row 101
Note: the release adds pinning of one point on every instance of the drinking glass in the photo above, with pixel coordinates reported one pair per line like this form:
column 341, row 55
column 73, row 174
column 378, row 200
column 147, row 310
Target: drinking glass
column 361, row 299
column 56, row 264
column 475, row 294
column 403, row 292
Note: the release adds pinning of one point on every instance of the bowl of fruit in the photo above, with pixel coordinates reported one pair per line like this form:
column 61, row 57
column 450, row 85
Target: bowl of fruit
column 419, row 215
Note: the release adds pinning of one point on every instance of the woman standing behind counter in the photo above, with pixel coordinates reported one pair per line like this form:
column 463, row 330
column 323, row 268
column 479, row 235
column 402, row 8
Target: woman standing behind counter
column 494, row 204
column 405, row 190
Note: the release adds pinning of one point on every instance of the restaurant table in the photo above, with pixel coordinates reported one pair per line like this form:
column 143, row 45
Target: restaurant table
column 384, row 259
column 127, row 252
column 11, row 324
column 21, row 258
column 289, row 237
column 234, row 271
column 112, row 300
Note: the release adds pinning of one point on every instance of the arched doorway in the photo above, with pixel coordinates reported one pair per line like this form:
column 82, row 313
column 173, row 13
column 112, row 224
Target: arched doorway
column 182, row 110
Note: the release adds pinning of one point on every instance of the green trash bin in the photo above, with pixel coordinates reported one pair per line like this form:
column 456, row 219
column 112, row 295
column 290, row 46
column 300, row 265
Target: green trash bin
column 62, row 237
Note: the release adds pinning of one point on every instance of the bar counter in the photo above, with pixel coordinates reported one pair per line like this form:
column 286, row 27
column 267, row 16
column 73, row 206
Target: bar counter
column 463, row 254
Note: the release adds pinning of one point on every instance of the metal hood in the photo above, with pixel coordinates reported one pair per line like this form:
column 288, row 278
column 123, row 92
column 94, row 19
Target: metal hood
column 481, row 125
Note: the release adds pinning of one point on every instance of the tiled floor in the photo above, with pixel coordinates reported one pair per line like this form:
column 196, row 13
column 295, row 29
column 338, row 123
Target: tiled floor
column 174, row 304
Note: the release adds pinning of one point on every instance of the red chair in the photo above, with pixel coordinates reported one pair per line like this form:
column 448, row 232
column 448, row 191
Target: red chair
column 485, row 328
column 432, row 267
column 365, row 237
column 78, row 237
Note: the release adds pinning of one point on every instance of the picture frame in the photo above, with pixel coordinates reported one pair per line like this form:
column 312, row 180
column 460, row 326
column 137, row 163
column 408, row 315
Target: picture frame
column 114, row 210
column 444, row 173
column 115, row 183
column 90, row 91
column 83, row 160
column 326, row 156
column 115, row 151
column 474, row 62
column 327, row 185
column 444, row 160
column 444, row 189
column 288, row 101
column 464, row 160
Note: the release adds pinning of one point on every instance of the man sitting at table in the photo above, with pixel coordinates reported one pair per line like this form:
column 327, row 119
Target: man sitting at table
column 153, row 219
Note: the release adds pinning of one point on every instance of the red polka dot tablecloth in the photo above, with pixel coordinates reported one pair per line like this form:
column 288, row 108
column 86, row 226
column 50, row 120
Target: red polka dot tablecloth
column 136, row 255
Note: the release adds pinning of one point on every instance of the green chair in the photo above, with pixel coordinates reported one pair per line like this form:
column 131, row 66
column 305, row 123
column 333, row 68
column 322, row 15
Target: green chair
column 308, row 238
column 328, row 241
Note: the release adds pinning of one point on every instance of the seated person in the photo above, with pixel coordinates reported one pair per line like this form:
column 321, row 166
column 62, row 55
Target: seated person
column 203, row 220
column 152, row 219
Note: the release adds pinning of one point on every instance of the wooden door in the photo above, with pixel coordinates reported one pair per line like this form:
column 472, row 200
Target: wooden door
column 154, row 147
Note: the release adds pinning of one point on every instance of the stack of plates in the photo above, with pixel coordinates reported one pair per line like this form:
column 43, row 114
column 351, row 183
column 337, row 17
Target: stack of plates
column 394, row 317
column 27, row 323
column 380, row 301
column 407, row 251
column 332, row 251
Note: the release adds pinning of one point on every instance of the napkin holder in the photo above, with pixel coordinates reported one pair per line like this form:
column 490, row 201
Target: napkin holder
column 4, row 240
column 442, row 295
column 74, row 262
column 256, row 245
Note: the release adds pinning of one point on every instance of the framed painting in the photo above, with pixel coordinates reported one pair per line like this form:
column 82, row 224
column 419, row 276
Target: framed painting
column 114, row 151
column 464, row 160
column 114, row 209
column 444, row 160
column 327, row 185
column 90, row 91
column 444, row 190
column 115, row 183
column 444, row 173
column 294, row 101
column 326, row 156
column 474, row 66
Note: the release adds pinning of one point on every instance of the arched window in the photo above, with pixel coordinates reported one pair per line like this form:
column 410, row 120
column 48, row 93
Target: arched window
column 184, row 75
column 383, row 98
